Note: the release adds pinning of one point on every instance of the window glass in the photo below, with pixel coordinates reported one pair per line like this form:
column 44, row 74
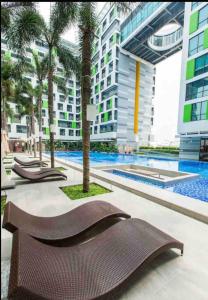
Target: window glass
column 199, row 111
column 201, row 64
column 203, row 16
column 196, row 44
column 197, row 89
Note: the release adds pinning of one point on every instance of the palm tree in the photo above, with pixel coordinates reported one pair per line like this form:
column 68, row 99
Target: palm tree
column 11, row 74
column 29, row 25
column 41, row 71
column 87, row 23
column 9, row 9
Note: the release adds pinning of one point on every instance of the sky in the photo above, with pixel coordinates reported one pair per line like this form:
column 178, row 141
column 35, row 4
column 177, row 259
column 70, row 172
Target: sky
column 167, row 86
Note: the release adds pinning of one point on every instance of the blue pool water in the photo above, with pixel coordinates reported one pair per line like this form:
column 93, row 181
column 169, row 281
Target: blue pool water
column 195, row 188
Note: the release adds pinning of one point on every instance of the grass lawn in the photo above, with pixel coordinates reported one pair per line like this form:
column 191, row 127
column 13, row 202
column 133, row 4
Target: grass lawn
column 75, row 191
column 60, row 168
column 3, row 203
column 8, row 172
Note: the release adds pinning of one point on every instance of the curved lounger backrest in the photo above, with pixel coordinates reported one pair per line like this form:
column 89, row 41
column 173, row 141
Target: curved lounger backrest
column 98, row 269
column 65, row 226
column 36, row 177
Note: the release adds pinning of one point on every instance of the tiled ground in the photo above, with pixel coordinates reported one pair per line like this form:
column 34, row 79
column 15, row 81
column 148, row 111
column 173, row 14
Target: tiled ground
column 170, row 276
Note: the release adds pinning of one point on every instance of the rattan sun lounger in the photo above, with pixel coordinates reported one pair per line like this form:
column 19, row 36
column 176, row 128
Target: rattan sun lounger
column 98, row 269
column 37, row 177
column 66, row 226
column 37, row 163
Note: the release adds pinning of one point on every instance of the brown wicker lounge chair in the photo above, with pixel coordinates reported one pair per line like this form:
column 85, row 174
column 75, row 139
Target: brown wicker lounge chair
column 30, row 163
column 98, row 269
column 33, row 176
column 66, row 226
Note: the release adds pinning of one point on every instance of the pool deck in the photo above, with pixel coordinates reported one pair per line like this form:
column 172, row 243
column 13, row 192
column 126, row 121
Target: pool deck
column 170, row 276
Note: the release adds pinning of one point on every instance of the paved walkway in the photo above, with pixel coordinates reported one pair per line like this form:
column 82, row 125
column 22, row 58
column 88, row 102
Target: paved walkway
column 170, row 276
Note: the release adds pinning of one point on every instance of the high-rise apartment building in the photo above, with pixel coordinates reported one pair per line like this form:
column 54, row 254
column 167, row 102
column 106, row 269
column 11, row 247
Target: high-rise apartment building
column 116, row 78
column 193, row 106
column 125, row 53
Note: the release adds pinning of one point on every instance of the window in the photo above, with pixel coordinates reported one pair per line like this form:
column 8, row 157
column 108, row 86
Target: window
column 61, row 98
column 77, row 132
column 115, row 115
column 104, row 49
column 95, row 130
column 97, row 78
column 104, row 24
column 109, row 80
column 60, row 70
column 199, row 111
column 70, row 100
column 69, row 108
column 71, row 132
column 111, row 15
column 77, row 101
column 201, row 64
column 62, row 131
column 195, row 4
column 61, row 115
column 103, row 72
column 196, row 44
column 117, row 52
column 9, row 127
column 71, row 117
column 197, row 89
column 21, row 129
column 116, row 103
column 102, row 85
column 102, row 62
column 203, row 16
column 60, row 106
column 64, row 124
column 43, row 112
column 110, row 68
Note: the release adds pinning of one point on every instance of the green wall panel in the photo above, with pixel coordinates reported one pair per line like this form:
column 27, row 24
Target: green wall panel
column 47, row 131
column 190, row 69
column 111, row 102
column 45, row 104
column 100, row 108
column 187, row 113
column 74, row 125
column 206, row 38
column 193, row 25
column 106, row 117
column 65, row 116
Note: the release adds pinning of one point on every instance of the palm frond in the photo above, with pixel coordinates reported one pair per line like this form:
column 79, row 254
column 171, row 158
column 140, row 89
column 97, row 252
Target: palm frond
column 27, row 26
column 69, row 61
column 63, row 15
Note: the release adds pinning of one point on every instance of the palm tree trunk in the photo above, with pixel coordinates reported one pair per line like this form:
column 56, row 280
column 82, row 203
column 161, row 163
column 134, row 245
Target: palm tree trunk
column 33, row 126
column 50, row 105
column 3, row 116
column 86, row 93
column 40, row 124
column 30, row 132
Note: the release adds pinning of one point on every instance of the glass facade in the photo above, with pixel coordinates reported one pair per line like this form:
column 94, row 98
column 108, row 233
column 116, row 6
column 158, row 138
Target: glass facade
column 199, row 111
column 201, row 64
column 197, row 89
column 139, row 15
column 196, row 44
column 203, row 16
column 195, row 4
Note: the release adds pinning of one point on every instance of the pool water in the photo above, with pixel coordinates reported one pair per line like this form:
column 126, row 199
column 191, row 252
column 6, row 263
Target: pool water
column 196, row 188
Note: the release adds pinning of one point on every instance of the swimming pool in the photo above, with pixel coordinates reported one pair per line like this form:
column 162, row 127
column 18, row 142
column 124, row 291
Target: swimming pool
column 195, row 188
